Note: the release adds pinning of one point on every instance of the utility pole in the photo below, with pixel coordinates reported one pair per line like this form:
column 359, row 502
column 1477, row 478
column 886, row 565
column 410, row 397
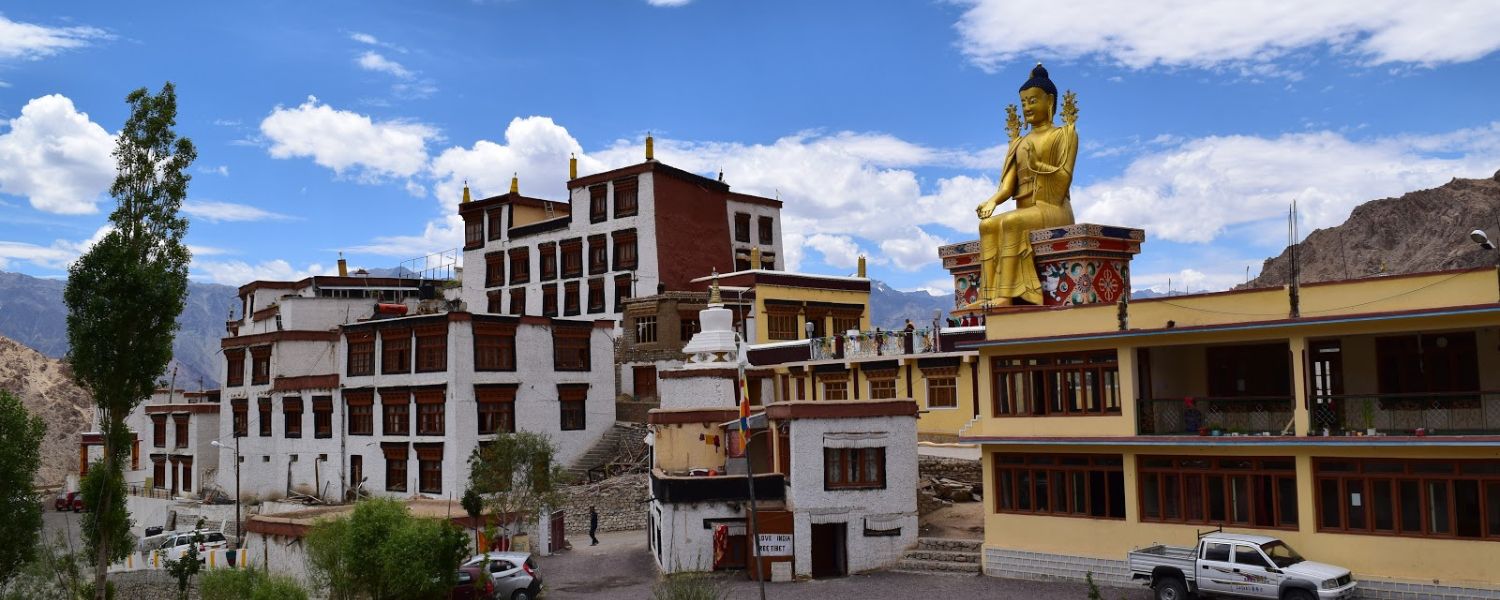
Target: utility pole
column 760, row 576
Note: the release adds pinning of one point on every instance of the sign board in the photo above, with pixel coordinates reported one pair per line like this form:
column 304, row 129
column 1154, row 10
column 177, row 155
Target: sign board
column 775, row 544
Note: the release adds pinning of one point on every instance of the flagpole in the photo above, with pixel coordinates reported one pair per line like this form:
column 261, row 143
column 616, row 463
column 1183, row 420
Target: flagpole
column 760, row 575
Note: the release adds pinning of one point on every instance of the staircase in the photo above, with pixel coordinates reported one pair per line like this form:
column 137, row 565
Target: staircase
column 941, row 556
column 622, row 442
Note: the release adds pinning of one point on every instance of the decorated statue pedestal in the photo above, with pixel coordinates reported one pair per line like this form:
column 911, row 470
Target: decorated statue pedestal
column 1078, row 264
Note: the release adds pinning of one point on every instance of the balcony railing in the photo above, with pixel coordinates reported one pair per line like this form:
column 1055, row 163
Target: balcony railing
column 868, row 344
column 722, row 488
column 1449, row 413
column 1256, row 415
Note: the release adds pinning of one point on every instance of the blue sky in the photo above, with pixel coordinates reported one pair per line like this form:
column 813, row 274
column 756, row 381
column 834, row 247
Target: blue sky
column 350, row 125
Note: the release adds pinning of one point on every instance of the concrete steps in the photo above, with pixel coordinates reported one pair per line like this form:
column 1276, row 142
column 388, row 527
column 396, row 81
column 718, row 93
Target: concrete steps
column 943, row 556
column 608, row 448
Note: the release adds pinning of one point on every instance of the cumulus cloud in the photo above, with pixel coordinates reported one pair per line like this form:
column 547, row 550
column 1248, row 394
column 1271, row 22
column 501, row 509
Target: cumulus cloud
column 912, row 251
column 55, row 256
column 371, row 60
column 1218, row 33
column 56, row 157
column 346, row 141
column 218, row 212
column 1199, row 188
column 668, row 3
column 363, row 38
column 237, row 272
column 443, row 233
column 30, row 41
column 535, row 149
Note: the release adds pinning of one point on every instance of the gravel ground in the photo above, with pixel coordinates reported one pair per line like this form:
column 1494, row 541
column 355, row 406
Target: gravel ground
column 621, row 568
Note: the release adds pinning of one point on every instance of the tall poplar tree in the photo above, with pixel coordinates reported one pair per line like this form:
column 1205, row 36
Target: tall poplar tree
column 123, row 298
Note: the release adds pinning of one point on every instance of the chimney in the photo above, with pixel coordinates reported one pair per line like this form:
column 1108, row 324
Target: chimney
column 572, row 167
column 466, row 192
column 650, row 148
column 861, row 271
column 344, row 265
column 515, row 184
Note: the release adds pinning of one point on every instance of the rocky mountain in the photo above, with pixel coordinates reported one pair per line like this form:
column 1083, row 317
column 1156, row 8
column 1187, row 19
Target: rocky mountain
column 1425, row 230
column 32, row 313
column 890, row 307
column 46, row 388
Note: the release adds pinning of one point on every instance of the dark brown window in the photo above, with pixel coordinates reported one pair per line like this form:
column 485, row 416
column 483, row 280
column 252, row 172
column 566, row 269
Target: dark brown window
column 1068, row 485
column 626, row 257
column 395, row 350
column 395, row 466
column 159, row 471
column 265, row 417
column 645, row 329
column 497, row 408
column 689, row 325
column 782, row 325
column 596, row 295
column 768, row 261
column 570, row 348
column 432, row 348
column 572, row 258
column 361, row 353
column 622, row 291
column 1239, row 491
column 473, row 231
column 356, row 470
column 518, row 301
column 520, row 265
column 1257, row 370
column 573, row 400
column 1427, row 363
column 853, row 468
column 549, row 300
column 241, row 416
column 180, row 430
column 942, row 390
column 598, row 203
column 626, row 198
column 235, row 361
column 836, row 389
column 395, row 411
column 361, row 409
column 430, row 406
column 494, row 347
column 845, row 322
column 159, row 431
column 548, row 261
column 494, row 302
column 291, row 413
column 765, row 230
column 1057, row 385
column 495, row 216
column 742, row 262
column 322, row 416
column 494, row 269
column 429, row 468
column 1411, row 498
column 260, row 365
column 883, row 388
column 741, row 227
column 570, row 299
column 598, row 255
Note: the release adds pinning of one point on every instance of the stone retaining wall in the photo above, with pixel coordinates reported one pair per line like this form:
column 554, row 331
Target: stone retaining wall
column 621, row 502
column 961, row 469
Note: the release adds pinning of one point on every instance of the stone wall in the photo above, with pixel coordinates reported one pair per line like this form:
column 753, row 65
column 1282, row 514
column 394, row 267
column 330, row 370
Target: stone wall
column 935, row 467
column 621, row 502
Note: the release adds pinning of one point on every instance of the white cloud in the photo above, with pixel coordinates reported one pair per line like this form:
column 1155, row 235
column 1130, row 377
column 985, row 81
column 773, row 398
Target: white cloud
column 55, row 256
column 668, row 3
column 840, row 251
column 56, row 157
column 536, row 149
column 1195, row 191
column 441, row 234
column 348, row 141
column 1186, row 281
column 217, row 212
column 364, row 38
column 221, row 170
column 31, row 41
column 206, row 250
column 371, row 60
column 912, row 251
column 237, row 272
column 1218, row 33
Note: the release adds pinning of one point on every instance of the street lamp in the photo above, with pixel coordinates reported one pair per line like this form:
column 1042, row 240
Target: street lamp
column 238, row 534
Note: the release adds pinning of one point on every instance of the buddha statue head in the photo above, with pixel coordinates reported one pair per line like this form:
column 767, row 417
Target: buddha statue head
column 1038, row 97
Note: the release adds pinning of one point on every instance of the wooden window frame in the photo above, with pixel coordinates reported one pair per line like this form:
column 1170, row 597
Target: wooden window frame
column 496, row 408
column 360, row 406
column 395, row 412
column 517, row 301
column 159, row 471
column 395, row 350
column 627, row 198
column 322, row 409
column 626, row 250
column 361, row 354
column 432, row 348
column 598, row 203
column 572, row 306
column 396, row 462
column 572, row 257
column 598, row 254
column 291, row 417
column 494, row 223
column 520, row 265
column 494, row 269
column 837, row 477
column 622, row 291
column 240, row 416
column 1362, row 475
column 234, row 359
column 766, row 230
column 942, row 382
column 567, row 340
column 429, row 467
column 596, row 295
column 494, row 347
column 843, row 322
column 1029, row 370
column 777, row 322
column 742, row 227
column 159, row 431
column 473, row 231
column 882, row 385
column 260, row 365
column 547, row 261
column 688, row 325
column 842, row 390
column 431, row 411
column 1095, row 469
column 549, row 299
column 265, row 416
column 494, row 302
column 572, row 406
column 646, row 329
column 180, row 430
column 1207, row 472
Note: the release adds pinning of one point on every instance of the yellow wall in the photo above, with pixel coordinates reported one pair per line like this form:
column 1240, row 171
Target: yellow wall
column 931, row 421
column 678, row 447
column 1451, row 562
column 765, row 292
column 526, row 215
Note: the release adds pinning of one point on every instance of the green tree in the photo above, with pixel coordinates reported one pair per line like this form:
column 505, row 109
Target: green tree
column 473, row 506
column 248, row 584
column 20, row 513
column 518, row 477
column 124, row 296
column 187, row 565
column 381, row 552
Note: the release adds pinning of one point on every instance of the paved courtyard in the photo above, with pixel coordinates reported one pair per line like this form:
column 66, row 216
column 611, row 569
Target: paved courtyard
column 620, row 567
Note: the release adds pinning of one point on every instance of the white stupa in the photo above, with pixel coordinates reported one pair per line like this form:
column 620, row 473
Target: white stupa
column 714, row 347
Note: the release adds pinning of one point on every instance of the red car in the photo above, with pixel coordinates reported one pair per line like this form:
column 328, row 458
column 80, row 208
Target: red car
column 70, row 501
column 473, row 584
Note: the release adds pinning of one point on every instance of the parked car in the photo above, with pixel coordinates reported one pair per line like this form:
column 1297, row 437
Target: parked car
column 1239, row 565
column 472, row 584
column 514, row 574
column 75, row 500
column 175, row 545
column 63, row 501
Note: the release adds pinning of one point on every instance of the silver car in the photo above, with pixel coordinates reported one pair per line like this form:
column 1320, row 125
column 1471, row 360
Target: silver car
column 514, row 574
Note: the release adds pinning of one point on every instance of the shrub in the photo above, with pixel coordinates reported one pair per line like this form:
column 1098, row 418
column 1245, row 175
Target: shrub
column 249, row 584
column 689, row 586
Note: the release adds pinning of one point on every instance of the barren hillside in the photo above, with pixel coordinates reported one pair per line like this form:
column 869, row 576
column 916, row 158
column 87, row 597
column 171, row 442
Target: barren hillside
column 46, row 389
column 1425, row 230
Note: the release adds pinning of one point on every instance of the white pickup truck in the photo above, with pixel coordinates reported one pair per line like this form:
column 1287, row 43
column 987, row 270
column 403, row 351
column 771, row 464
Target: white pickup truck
column 1240, row 566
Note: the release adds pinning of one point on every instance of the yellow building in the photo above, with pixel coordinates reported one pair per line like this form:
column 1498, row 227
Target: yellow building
column 1364, row 430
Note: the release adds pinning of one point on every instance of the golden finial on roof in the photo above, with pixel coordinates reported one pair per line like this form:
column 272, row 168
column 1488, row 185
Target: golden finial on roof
column 515, row 183
column 713, row 290
column 572, row 167
column 650, row 147
column 466, row 191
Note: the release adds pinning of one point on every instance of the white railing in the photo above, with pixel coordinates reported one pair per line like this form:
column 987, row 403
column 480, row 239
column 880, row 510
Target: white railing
column 869, row 344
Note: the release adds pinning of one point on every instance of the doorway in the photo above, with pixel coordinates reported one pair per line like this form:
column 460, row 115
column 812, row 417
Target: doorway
column 829, row 551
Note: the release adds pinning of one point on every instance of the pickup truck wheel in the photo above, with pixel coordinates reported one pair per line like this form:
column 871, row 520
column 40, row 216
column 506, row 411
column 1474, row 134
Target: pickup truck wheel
column 1171, row 588
column 1297, row 595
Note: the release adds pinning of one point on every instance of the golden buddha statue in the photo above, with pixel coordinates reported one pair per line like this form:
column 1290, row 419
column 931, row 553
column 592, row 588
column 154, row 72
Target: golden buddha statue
column 1037, row 172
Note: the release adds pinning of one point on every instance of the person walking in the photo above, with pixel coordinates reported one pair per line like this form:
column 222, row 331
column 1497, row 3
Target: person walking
column 593, row 526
